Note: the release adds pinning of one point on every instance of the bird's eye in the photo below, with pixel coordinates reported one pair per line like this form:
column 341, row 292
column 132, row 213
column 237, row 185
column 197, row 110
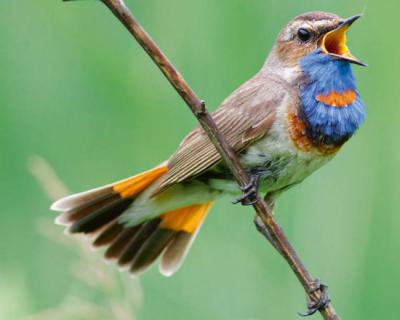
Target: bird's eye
column 303, row 34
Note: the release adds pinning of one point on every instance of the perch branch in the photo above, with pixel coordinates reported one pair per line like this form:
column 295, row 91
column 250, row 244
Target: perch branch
column 273, row 232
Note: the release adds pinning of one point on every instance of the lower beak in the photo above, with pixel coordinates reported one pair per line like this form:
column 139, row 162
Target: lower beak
column 334, row 42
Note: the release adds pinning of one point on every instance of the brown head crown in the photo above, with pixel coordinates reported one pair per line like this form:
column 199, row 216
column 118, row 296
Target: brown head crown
column 302, row 35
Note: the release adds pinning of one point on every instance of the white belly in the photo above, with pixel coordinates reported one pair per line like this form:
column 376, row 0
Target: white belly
column 283, row 164
column 277, row 160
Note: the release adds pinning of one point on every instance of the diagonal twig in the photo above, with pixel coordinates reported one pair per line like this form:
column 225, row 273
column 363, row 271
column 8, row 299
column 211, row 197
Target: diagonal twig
column 269, row 226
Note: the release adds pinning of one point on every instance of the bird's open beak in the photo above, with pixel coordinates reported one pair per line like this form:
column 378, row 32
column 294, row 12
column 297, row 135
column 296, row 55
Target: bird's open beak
column 334, row 42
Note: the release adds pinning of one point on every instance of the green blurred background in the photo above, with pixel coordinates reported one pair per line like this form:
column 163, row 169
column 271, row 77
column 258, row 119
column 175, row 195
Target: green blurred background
column 78, row 91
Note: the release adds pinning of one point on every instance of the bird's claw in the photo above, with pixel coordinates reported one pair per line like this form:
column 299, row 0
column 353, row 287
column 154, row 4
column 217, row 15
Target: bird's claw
column 322, row 302
column 250, row 193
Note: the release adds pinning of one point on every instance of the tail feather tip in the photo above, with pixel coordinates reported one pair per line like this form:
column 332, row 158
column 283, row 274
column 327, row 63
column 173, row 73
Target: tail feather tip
column 166, row 272
column 60, row 221
column 58, row 205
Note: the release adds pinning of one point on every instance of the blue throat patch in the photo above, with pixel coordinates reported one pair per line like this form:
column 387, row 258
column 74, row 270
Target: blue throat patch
column 329, row 124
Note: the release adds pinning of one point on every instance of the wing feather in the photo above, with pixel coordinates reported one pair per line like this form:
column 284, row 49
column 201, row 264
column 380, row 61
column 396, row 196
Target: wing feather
column 245, row 116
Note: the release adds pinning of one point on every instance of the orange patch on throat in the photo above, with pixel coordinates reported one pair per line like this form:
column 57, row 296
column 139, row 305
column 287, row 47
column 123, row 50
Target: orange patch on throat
column 337, row 99
column 186, row 219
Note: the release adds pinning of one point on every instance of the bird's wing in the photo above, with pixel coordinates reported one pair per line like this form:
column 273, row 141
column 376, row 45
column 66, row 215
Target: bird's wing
column 242, row 118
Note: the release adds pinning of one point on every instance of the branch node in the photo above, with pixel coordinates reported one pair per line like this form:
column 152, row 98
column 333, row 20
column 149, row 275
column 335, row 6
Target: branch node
column 200, row 108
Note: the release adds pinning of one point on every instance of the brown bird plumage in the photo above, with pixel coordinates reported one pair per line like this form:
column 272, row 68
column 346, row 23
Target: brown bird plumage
column 159, row 212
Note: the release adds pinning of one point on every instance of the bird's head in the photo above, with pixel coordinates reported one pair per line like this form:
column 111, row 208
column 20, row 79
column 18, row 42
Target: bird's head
column 311, row 32
column 311, row 53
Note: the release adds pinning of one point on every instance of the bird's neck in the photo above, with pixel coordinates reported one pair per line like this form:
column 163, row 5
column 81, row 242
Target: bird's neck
column 330, row 104
column 275, row 67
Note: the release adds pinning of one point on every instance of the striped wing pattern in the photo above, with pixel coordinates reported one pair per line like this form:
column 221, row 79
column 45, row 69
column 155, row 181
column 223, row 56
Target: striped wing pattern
column 242, row 118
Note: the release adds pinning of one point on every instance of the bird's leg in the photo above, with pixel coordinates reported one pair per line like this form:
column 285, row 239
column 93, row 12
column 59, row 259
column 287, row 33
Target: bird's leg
column 314, row 305
column 264, row 231
column 250, row 191
column 261, row 226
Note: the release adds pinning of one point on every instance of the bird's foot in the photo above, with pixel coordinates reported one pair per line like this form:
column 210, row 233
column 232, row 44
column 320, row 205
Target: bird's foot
column 322, row 302
column 250, row 192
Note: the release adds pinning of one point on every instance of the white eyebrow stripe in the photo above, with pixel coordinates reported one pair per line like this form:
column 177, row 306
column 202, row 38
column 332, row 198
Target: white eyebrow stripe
column 307, row 24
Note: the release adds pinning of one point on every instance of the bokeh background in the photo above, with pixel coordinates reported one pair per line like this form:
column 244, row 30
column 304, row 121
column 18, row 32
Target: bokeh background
column 76, row 90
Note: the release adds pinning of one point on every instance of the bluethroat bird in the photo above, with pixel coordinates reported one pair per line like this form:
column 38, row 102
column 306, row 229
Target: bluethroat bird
column 287, row 121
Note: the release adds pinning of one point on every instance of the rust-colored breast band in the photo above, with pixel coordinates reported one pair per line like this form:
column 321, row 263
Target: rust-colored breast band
column 297, row 130
column 298, row 133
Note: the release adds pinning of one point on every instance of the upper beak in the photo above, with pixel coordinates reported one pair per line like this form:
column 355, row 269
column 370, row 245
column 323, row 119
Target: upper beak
column 334, row 42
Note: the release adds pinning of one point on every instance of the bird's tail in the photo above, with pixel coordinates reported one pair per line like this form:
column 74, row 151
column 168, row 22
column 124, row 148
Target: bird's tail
column 96, row 212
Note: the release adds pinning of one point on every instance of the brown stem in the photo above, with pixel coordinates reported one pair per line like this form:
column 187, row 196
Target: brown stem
column 199, row 110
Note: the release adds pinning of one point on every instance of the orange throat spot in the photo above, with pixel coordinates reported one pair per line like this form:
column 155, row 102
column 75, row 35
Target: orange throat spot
column 338, row 99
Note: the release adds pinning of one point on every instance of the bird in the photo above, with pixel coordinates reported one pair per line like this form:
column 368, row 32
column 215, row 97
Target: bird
column 287, row 121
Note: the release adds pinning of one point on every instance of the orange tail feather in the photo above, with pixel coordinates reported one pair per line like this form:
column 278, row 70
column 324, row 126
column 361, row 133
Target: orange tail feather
column 97, row 211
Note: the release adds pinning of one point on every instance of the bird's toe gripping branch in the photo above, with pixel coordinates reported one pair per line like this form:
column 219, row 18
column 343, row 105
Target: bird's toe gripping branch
column 250, row 192
column 315, row 305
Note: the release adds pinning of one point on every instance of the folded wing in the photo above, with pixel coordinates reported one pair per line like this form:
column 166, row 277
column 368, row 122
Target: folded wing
column 243, row 117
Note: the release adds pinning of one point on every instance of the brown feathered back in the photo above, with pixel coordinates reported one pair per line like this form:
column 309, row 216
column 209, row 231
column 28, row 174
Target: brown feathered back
column 244, row 117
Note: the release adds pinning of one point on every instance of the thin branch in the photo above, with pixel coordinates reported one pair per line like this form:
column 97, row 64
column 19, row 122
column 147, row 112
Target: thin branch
column 47, row 178
column 274, row 232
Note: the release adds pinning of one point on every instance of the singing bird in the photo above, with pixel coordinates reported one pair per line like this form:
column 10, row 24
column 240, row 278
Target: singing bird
column 287, row 121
